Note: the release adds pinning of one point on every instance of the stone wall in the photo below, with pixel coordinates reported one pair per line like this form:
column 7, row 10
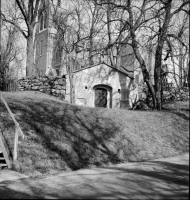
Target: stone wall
column 176, row 94
column 171, row 94
column 55, row 86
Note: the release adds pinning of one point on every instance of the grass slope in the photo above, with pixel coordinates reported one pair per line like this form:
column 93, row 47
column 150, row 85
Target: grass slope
column 60, row 136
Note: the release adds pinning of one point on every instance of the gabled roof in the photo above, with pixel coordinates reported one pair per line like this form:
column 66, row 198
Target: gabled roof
column 122, row 70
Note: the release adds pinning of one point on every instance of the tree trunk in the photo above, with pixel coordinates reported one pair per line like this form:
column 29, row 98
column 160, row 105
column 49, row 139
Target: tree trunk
column 91, row 45
column 157, row 77
column 188, row 78
column 91, row 61
column 71, row 87
column 158, row 56
column 146, row 76
column 109, row 51
column 70, row 72
column 180, row 66
column 30, row 67
column 0, row 35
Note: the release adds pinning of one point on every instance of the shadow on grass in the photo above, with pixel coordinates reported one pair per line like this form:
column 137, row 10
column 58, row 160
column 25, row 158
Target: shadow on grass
column 180, row 110
column 79, row 137
column 169, row 181
column 179, row 113
column 61, row 136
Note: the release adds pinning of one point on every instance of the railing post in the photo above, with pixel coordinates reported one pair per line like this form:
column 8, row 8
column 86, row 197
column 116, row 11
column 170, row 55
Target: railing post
column 5, row 154
column 17, row 130
column 15, row 145
column 12, row 116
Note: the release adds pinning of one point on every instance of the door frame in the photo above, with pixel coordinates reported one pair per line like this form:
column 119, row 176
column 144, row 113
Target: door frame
column 109, row 93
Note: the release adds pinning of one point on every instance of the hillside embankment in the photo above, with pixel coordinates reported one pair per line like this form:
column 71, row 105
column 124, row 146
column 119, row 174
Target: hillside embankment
column 62, row 137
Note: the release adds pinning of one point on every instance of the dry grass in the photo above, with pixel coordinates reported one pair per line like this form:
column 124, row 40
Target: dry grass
column 61, row 137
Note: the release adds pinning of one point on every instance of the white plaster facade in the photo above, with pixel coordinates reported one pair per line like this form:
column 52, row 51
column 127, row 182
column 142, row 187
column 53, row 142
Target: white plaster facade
column 121, row 90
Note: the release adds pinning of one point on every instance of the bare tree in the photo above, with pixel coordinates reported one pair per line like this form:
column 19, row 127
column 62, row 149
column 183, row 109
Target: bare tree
column 141, row 16
column 95, row 16
column 180, row 46
column 25, row 19
column 76, row 27
column 9, row 53
column 68, row 38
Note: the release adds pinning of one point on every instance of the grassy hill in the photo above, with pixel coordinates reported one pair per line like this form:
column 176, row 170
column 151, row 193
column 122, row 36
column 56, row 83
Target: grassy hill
column 62, row 137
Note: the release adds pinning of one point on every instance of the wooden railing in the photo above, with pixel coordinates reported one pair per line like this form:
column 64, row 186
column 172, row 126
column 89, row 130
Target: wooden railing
column 17, row 130
column 3, row 149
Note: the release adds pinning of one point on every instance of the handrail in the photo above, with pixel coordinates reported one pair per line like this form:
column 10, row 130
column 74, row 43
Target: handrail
column 12, row 116
column 17, row 131
column 5, row 154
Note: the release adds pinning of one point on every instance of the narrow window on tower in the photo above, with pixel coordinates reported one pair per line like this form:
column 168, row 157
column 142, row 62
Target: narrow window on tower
column 58, row 55
column 59, row 3
column 41, row 47
column 45, row 20
column 41, row 22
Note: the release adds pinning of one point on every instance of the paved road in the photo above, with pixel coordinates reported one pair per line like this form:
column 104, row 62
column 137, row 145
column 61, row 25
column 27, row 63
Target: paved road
column 166, row 178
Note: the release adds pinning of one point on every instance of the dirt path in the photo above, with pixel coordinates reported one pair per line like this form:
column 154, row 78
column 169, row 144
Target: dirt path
column 166, row 178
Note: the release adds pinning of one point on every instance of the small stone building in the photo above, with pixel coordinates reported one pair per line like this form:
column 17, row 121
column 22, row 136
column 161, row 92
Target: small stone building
column 97, row 85
column 103, row 86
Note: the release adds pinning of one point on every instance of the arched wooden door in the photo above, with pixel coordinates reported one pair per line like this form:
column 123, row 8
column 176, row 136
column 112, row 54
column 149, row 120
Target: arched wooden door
column 101, row 97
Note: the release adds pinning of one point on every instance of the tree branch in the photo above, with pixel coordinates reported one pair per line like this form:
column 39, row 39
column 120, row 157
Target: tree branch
column 14, row 24
column 180, row 8
column 23, row 10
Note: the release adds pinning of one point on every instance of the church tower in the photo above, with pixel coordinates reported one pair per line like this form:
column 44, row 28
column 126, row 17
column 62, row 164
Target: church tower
column 48, row 56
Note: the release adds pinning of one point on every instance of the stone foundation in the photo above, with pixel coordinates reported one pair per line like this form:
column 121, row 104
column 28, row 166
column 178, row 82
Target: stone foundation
column 176, row 94
column 173, row 93
column 55, row 86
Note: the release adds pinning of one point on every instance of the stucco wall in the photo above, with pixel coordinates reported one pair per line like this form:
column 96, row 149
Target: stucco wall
column 123, row 88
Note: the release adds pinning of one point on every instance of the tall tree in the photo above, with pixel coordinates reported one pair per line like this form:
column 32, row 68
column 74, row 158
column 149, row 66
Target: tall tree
column 25, row 20
column 68, row 38
column 10, row 51
column 139, row 18
column 76, row 27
